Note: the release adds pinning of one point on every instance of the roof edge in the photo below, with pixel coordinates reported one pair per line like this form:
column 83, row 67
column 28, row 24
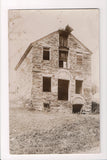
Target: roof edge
column 82, row 44
column 29, row 48
column 44, row 37
column 31, row 45
column 24, row 56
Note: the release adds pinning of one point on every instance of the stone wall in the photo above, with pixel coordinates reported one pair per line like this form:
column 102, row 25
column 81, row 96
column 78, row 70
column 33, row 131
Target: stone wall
column 50, row 68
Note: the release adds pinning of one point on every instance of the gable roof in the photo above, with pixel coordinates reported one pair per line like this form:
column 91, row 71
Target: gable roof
column 29, row 48
column 82, row 44
column 31, row 45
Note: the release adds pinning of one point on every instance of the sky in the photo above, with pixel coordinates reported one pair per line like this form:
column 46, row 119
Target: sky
column 26, row 26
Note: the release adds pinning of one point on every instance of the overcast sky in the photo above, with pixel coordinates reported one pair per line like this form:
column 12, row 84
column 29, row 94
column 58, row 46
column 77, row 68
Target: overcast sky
column 26, row 26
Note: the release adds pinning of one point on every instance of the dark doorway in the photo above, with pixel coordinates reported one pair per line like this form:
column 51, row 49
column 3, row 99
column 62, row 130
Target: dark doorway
column 63, row 89
column 77, row 108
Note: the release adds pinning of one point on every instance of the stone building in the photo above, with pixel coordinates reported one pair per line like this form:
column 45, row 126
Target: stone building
column 55, row 73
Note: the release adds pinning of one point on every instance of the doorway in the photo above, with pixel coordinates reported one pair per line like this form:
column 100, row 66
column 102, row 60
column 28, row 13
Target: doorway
column 63, row 86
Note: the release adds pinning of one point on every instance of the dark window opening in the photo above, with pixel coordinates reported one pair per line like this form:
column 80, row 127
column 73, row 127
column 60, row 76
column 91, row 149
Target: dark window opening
column 63, row 89
column 63, row 41
column 63, row 57
column 79, row 59
column 46, row 84
column 46, row 54
column 76, row 108
column 79, row 86
column 46, row 106
column 60, row 63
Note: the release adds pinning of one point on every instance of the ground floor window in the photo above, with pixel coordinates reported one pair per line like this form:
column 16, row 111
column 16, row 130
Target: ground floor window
column 78, row 88
column 46, row 107
column 46, row 84
column 63, row 89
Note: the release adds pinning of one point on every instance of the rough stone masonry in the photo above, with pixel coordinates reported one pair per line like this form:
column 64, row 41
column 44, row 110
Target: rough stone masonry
column 55, row 73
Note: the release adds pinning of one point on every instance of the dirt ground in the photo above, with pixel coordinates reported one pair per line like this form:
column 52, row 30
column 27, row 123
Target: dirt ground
column 33, row 132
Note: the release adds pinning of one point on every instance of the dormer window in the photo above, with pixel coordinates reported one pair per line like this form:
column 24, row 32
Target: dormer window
column 46, row 53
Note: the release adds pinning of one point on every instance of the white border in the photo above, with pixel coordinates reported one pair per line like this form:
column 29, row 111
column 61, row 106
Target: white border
column 39, row 4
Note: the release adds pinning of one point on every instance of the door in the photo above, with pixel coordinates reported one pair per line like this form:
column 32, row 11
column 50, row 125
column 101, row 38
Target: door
column 63, row 89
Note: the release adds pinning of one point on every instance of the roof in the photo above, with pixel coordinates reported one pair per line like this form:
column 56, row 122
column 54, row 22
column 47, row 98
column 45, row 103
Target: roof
column 29, row 48
column 31, row 45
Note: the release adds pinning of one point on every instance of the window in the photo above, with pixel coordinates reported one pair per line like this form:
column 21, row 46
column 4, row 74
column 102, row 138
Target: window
column 63, row 41
column 78, row 86
column 79, row 59
column 46, row 84
column 46, row 107
column 60, row 63
column 63, row 56
column 63, row 89
column 46, row 53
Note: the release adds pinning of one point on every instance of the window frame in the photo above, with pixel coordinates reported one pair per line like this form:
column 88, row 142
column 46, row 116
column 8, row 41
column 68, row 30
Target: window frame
column 46, row 49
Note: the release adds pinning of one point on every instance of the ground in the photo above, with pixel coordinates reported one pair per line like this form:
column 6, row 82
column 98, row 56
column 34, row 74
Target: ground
column 33, row 132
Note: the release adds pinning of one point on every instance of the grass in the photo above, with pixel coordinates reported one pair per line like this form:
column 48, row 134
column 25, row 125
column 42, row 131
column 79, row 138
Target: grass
column 33, row 132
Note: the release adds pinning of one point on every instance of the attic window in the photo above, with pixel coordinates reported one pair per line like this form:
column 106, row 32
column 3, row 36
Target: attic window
column 46, row 53
column 79, row 59
column 63, row 41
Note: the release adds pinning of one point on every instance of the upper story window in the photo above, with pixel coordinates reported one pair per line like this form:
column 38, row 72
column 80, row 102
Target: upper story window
column 46, row 53
column 63, row 41
column 79, row 59
column 63, row 59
